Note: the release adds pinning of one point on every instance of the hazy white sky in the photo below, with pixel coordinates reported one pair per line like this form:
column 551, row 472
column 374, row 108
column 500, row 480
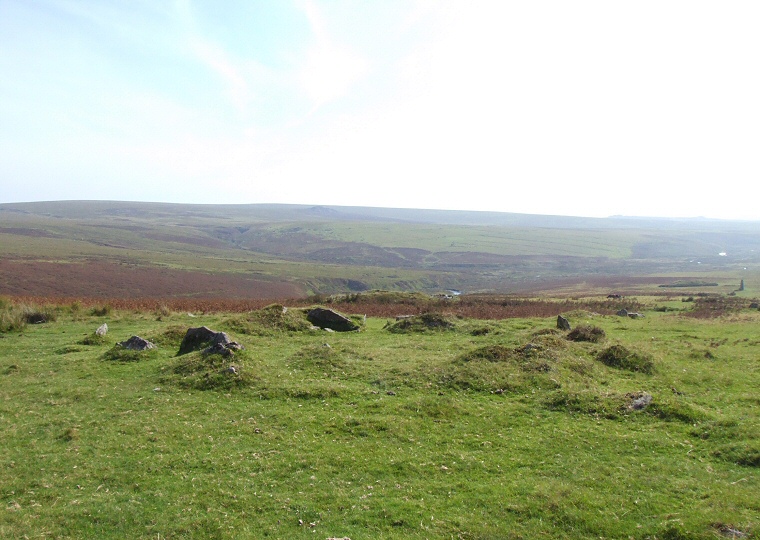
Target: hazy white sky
column 575, row 107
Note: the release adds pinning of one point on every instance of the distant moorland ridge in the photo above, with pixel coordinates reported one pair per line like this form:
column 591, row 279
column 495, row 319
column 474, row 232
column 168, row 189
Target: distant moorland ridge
column 137, row 249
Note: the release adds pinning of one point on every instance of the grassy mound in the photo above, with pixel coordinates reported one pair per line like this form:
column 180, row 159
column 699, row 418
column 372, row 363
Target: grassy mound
column 619, row 357
column 421, row 323
column 209, row 372
column 93, row 339
column 117, row 353
column 169, row 338
column 319, row 357
column 272, row 318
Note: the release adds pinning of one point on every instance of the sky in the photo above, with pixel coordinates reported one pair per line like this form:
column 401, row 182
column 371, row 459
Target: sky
column 587, row 108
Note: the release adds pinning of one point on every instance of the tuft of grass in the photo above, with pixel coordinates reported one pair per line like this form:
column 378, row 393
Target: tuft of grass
column 587, row 401
column 620, row 357
column 490, row 353
column 592, row 334
column 93, row 339
column 101, row 311
column 69, row 434
column 746, row 454
column 15, row 317
column 320, row 357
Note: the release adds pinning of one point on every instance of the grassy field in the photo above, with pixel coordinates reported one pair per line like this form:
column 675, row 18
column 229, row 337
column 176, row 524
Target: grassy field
column 439, row 426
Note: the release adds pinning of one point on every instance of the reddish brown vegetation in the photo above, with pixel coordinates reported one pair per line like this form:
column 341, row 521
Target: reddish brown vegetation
column 475, row 307
column 708, row 307
column 478, row 306
column 101, row 279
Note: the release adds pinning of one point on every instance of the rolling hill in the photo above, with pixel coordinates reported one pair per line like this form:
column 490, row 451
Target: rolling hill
column 130, row 249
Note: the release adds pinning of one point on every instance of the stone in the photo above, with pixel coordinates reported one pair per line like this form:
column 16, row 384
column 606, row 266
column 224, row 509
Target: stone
column 563, row 323
column 641, row 401
column 207, row 340
column 102, row 330
column 136, row 343
column 218, row 348
column 332, row 320
column 622, row 313
column 635, row 315
column 754, row 305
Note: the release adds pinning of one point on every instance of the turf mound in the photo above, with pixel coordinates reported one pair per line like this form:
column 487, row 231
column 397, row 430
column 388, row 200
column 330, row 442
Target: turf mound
column 619, row 357
column 421, row 323
column 272, row 318
column 200, row 371
column 593, row 334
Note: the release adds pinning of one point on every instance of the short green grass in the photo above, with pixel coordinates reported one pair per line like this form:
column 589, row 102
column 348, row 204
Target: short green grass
column 514, row 432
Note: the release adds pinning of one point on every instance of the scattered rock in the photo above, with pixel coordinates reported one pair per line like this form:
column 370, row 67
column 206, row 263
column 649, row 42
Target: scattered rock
column 209, row 341
column 640, row 401
column 732, row 532
column 102, row 330
column 622, row 313
column 332, row 320
column 136, row 343
column 391, row 393
column 754, row 305
column 218, row 348
column 636, row 315
column 562, row 323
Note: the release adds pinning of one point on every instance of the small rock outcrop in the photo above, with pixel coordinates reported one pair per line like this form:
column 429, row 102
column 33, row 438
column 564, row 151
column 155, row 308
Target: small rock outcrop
column 136, row 343
column 102, row 330
column 563, row 323
column 208, row 341
column 327, row 319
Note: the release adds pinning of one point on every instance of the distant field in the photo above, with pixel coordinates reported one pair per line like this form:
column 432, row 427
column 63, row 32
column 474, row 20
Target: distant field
column 266, row 251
